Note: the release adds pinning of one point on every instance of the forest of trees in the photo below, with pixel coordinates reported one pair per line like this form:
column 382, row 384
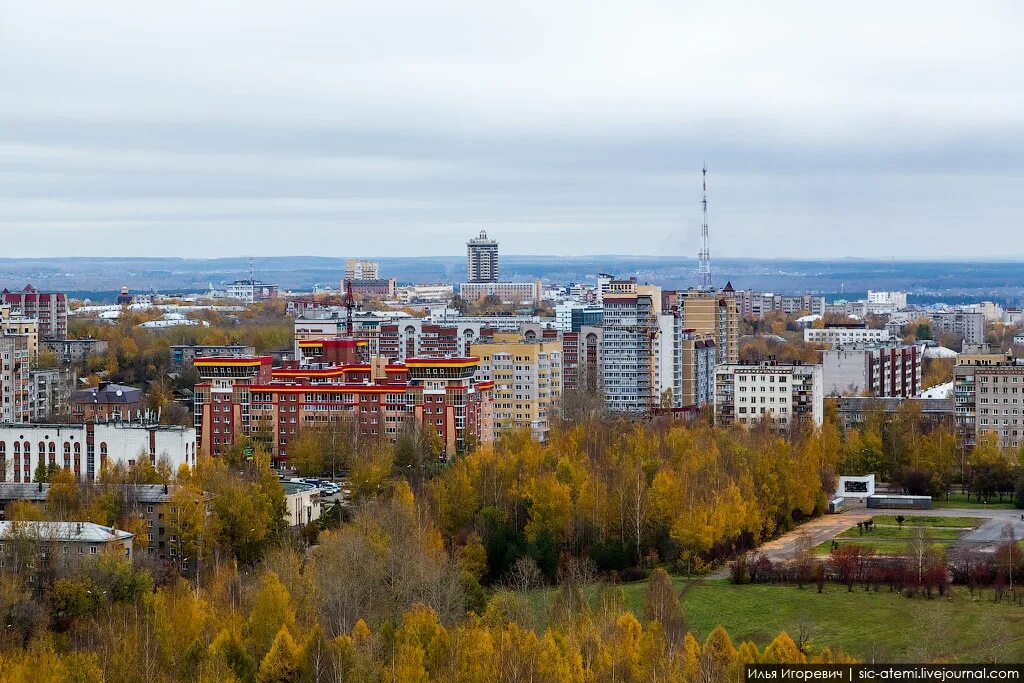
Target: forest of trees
column 430, row 575
column 380, row 599
column 923, row 457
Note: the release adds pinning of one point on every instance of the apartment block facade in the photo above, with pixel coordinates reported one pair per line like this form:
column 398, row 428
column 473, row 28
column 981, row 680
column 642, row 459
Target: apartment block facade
column 482, row 259
column 841, row 334
column 757, row 305
column 50, row 309
column 14, row 379
column 784, row 394
column 969, row 325
column 713, row 314
column 247, row 395
column 879, row 370
column 989, row 394
column 527, row 379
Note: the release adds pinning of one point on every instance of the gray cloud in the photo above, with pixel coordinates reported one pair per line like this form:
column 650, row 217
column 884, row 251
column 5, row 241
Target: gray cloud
column 345, row 128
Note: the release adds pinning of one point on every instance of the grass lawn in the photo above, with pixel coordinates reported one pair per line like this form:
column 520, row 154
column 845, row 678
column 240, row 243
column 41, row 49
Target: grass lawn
column 959, row 500
column 894, row 532
column 881, row 546
column 883, row 626
column 953, row 522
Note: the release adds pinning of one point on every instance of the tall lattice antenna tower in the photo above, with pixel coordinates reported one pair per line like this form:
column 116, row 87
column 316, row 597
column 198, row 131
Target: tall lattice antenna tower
column 704, row 256
column 251, row 278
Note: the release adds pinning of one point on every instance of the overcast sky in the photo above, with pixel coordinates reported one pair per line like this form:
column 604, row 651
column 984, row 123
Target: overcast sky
column 877, row 129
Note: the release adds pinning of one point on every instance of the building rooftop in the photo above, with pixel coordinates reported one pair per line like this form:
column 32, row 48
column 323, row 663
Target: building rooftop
column 293, row 487
column 889, row 404
column 76, row 532
column 36, row 492
column 107, row 392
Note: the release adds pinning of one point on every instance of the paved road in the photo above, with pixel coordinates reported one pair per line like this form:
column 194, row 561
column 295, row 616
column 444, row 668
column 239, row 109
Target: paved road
column 827, row 527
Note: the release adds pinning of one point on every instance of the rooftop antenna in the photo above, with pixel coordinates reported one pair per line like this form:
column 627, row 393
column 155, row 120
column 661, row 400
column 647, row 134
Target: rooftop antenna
column 704, row 256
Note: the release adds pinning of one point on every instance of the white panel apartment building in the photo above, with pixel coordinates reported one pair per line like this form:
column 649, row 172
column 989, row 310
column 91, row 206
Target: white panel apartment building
column 843, row 335
column 746, row 394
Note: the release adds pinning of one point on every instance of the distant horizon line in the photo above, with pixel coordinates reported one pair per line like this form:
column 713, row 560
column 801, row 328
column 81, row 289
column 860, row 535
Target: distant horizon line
column 868, row 259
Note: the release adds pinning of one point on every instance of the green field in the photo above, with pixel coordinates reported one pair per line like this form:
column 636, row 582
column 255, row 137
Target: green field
column 883, row 626
column 959, row 500
column 949, row 522
column 881, row 546
column 888, row 538
column 904, row 534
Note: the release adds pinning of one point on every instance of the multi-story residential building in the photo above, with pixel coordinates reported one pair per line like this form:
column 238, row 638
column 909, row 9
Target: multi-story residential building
column 527, row 378
column 75, row 351
column 785, row 394
column 247, row 396
column 29, row 547
column 699, row 363
column 16, row 324
column 509, row 292
column 845, row 334
column 86, row 448
column 251, row 291
column 357, row 269
column 897, row 300
column 50, row 309
column 50, row 393
column 582, row 359
column 416, row 337
column 969, row 325
column 873, row 369
column 151, row 503
column 710, row 313
column 498, row 323
column 1013, row 316
column 570, row 316
column 857, row 309
column 375, row 288
column 989, row 310
column 852, row 410
column 989, row 394
column 183, row 354
column 482, row 259
column 106, row 402
column 630, row 368
column 757, row 305
column 14, row 379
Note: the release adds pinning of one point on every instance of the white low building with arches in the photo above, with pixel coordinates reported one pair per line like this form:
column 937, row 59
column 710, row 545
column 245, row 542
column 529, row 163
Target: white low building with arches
column 86, row 448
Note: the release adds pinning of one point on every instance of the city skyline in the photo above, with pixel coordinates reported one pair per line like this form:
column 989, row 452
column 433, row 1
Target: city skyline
column 196, row 131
